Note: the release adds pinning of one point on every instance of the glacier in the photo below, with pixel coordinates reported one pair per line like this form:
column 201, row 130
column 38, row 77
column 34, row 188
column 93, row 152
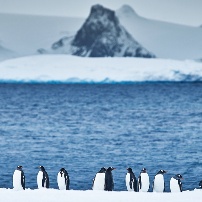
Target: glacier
column 74, row 69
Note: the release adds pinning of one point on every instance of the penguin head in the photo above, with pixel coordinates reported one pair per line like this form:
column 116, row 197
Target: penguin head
column 162, row 172
column 19, row 167
column 62, row 170
column 144, row 170
column 102, row 170
column 111, row 168
column 179, row 177
column 41, row 168
column 129, row 170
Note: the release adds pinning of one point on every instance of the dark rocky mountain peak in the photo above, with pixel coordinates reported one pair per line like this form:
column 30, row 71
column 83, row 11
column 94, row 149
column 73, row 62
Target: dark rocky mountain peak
column 102, row 35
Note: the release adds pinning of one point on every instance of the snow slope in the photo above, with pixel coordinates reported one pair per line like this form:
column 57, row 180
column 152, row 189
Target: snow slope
column 70, row 69
column 165, row 40
column 53, row 195
column 25, row 34
column 6, row 54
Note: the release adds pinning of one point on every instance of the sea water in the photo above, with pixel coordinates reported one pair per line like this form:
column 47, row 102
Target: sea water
column 83, row 127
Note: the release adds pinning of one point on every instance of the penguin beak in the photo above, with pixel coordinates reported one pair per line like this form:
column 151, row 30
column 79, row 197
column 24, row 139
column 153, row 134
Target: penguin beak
column 113, row 168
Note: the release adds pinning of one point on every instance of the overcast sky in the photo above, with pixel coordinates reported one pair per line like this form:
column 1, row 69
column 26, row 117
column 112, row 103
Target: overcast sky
column 188, row 12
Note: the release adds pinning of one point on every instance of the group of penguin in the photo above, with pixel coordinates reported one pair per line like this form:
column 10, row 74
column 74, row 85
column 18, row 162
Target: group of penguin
column 42, row 179
column 103, row 180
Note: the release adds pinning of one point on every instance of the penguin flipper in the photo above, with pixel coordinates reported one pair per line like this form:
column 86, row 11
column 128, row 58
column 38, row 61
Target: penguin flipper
column 93, row 182
column 153, row 185
column 131, row 184
column 140, row 182
column 66, row 179
column 135, row 185
column 180, row 185
column 23, row 180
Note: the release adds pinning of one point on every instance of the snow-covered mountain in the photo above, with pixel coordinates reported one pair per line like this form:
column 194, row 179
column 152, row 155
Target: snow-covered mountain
column 165, row 40
column 25, row 34
column 101, row 36
column 29, row 35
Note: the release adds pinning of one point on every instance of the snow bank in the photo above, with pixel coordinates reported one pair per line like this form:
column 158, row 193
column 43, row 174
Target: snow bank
column 53, row 195
column 73, row 69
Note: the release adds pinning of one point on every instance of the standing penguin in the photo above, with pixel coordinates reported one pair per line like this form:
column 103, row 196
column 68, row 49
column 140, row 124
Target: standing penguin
column 131, row 181
column 42, row 178
column 18, row 179
column 63, row 179
column 175, row 183
column 143, row 181
column 99, row 180
column 109, row 183
column 158, row 183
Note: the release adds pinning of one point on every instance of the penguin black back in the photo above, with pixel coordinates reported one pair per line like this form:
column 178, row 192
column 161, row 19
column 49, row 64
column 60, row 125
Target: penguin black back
column 109, row 183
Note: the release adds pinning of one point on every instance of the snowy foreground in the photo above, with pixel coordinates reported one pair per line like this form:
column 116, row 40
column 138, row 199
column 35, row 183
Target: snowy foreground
column 53, row 195
column 73, row 69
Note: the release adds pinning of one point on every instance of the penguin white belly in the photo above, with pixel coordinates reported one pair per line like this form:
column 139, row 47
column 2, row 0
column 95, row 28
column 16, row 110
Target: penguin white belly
column 128, row 182
column 99, row 181
column 158, row 183
column 61, row 181
column 144, row 182
column 174, row 186
column 39, row 179
column 17, row 180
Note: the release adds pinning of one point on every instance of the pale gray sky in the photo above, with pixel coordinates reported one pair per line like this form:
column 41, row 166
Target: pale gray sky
column 188, row 12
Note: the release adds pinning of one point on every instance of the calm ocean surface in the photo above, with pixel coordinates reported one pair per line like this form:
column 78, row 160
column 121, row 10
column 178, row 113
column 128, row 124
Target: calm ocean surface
column 84, row 127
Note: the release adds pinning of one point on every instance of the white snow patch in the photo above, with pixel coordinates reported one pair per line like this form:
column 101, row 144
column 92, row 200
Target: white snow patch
column 66, row 68
column 52, row 195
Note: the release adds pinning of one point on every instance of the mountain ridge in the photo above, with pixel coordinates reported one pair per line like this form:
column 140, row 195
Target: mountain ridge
column 102, row 35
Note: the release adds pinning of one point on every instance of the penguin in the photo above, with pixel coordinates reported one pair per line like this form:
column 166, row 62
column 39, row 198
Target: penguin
column 99, row 180
column 63, row 179
column 158, row 183
column 175, row 183
column 18, row 179
column 143, row 181
column 109, row 183
column 131, row 181
column 42, row 178
column 200, row 184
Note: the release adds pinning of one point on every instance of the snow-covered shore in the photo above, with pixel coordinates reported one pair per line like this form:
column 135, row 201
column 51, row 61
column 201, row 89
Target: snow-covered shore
column 73, row 69
column 53, row 195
